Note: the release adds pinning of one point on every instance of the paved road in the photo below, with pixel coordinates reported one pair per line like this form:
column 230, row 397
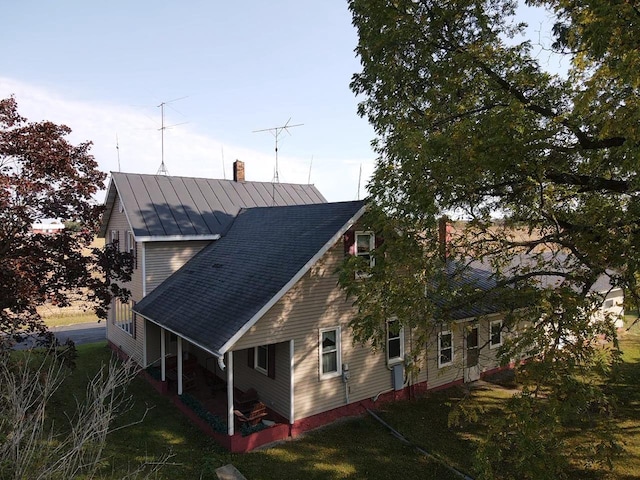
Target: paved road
column 81, row 333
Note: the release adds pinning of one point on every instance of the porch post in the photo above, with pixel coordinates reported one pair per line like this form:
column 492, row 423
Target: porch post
column 291, row 383
column 163, row 355
column 179, row 365
column 144, row 340
column 230, row 417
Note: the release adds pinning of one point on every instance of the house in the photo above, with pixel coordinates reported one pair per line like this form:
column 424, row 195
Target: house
column 240, row 279
column 164, row 221
column 51, row 227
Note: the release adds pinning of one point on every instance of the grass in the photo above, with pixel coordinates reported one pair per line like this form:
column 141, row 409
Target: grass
column 61, row 319
column 358, row 448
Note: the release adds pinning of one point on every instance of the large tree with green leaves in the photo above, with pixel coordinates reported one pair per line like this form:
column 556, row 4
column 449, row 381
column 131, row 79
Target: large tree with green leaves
column 468, row 123
column 44, row 176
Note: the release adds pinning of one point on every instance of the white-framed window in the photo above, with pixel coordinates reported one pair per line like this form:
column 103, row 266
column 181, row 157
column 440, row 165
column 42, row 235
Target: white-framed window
column 114, row 238
column 330, row 353
column 395, row 342
column 365, row 243
column 608, row 303
column 124, row 317
column 261, row 358
column 495, row 334
column 130, row 246
column 129, row 242
column 445, row 348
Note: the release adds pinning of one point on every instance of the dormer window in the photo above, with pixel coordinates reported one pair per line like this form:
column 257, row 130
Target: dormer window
column 365, row 243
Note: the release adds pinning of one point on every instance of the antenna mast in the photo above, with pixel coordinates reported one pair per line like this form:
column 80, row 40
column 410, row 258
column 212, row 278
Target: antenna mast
column 118, row 150
column 276, row 131
column 163, row 169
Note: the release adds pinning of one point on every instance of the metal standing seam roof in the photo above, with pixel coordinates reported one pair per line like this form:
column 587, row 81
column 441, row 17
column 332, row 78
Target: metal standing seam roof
column 167, row 207
column 222, row 291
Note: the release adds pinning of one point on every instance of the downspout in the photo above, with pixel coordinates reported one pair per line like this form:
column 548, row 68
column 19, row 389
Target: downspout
column 230, row 416
column 179, row 365
column 291, row 385
column 163, row 355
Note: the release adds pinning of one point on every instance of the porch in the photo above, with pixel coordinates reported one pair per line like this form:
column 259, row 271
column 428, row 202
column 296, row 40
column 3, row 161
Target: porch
column 236, row 405
column 204, row 402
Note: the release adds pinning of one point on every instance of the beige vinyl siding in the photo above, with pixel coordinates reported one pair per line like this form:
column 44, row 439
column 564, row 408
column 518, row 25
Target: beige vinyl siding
column 125, row 342
column 274, row 392
column 121, row 339
column 438, row 376
column 164, row 258
column 316, row 302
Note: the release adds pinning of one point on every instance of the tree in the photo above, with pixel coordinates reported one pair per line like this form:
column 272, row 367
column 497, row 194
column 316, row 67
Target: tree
column 32, row 446
column 469, row 124
column 43, row 176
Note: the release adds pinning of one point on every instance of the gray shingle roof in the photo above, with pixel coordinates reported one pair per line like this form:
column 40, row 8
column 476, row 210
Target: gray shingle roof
column 216, row 296
column 159, row 206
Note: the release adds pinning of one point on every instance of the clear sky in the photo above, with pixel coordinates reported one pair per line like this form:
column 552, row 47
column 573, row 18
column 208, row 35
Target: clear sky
column 224, row 69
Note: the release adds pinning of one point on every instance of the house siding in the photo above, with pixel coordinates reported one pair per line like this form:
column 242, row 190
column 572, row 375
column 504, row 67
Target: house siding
column 314, row 303
column 160, row 259
column 274, row 392
column 164, row 258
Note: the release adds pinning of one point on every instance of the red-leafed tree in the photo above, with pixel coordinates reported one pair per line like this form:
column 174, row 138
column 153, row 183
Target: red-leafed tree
column 44, row 176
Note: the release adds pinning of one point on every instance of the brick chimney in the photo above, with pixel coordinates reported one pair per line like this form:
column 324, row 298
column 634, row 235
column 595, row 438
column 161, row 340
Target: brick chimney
column 444, row 236
column 238, row 171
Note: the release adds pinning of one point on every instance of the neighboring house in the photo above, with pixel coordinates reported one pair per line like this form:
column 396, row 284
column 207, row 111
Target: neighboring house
column 47, row 228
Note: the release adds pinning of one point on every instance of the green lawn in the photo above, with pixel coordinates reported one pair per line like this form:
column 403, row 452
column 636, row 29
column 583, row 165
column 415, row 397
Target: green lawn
column 354, row 449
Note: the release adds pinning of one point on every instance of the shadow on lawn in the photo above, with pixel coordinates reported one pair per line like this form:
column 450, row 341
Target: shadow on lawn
column 356, row 448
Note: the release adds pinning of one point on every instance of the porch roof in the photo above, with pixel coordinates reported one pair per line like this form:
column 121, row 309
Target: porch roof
column 222, row 291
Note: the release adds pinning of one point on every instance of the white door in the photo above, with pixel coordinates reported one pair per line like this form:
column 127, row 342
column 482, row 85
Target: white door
column 472, row 354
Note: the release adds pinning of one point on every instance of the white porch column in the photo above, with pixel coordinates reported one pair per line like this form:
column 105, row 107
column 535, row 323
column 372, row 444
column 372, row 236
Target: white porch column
column 291, row 383
column 144, row 340
column 230, row 416
column 179, row 365
column 163, row 355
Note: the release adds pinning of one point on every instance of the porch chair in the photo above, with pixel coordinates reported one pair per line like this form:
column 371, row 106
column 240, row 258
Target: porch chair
column 253, row 416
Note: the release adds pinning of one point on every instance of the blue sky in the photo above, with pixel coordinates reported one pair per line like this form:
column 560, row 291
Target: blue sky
column 102, row 68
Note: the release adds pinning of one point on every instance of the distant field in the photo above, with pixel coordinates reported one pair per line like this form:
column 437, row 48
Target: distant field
column 60, row 319
column 78, row 312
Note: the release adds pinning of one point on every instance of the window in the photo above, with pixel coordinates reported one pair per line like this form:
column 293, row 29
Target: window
column 365, row 243
column 607, row 303
column 445, row 348
column 261, row 359
column 124, row 317
column 330, row 354
column 115, row 238
column 395, row 342
column 495, row 334
column 130, row 246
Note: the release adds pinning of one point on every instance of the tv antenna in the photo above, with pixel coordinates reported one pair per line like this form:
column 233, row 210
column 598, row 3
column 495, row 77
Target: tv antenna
column 118, row 150
column 276, row 131
column 163, row 168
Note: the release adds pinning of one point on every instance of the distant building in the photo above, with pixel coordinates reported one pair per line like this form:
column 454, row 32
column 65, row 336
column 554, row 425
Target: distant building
column 47, row 228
